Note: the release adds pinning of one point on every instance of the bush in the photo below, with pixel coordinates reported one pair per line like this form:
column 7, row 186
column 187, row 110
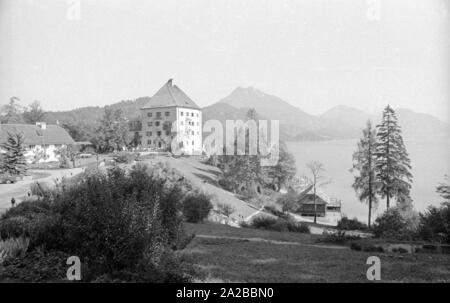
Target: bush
column 278, row 224
column 298, row 227
column 225, row 209
column 120, row 225
column 340, row 237
column 350, row 224
column 196, row 207
column 13, row 247
column 35, row 266
column 355, row 246
column 274, row 211
column 373, row 248
column 263, row 222
column 392, row 225
column 434, row 224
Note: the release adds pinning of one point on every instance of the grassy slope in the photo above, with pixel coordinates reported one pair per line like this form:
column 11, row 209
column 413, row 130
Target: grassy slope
column 245, row 261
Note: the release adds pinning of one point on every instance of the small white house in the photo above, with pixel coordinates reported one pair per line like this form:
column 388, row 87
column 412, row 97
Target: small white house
column 41, row 140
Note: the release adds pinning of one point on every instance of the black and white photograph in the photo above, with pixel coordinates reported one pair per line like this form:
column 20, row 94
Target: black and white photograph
column 235, row 142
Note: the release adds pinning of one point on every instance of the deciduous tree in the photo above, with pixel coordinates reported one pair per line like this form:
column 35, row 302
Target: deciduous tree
column 34, row 113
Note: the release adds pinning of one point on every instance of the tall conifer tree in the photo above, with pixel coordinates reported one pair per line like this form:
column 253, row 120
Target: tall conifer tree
column 14, row 158
column 392, row 160
column 364, row 165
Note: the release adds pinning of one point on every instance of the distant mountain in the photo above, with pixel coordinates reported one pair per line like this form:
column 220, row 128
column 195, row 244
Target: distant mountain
column 351, row 116
column 296, row 124
column 413, row 124
column 270, row 106
column 339, row 122
column 416, row 125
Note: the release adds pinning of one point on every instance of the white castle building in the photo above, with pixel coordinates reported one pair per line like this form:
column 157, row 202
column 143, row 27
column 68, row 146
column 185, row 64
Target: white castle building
column 170, row 119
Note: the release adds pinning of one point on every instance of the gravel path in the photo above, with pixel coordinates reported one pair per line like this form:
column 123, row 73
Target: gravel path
column 19, row 190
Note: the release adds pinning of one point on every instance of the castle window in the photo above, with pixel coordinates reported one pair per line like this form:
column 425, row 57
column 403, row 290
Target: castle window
column 158, row 115
column 167, row 133
column 197, row 114
column 149, row 134
column 159, row 133
column 149, row 142
column 149, row 123
column 192, row 114
column 167, row 114
column 192, row 142
column 181, row 113
column 157, row 123
column 149, row 115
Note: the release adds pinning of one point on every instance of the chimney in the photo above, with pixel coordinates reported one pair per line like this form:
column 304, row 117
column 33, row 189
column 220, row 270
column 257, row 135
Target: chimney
column 41, row 125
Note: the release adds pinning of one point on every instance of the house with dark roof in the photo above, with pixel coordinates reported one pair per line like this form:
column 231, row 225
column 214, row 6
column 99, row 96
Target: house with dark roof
column 170, row 120
column 41, row 140
column 324, row 205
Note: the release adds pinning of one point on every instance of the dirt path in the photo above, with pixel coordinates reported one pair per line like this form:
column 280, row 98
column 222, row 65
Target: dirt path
column 19, row 190
column 271, row 241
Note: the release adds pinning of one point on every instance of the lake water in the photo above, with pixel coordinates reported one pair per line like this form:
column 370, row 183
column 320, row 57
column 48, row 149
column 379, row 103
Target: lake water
column 429, row 159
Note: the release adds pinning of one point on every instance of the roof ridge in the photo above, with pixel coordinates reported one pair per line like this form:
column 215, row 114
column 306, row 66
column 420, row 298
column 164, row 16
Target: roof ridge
column 169, row 90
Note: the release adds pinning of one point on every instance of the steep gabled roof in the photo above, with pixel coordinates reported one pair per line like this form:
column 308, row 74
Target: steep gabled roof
column 319, row 193
column 170, row 95
column 34, row 135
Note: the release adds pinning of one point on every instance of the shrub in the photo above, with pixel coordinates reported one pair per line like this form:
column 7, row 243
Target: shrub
column 392, row 225
column 35, row 266
column 274, row 211
column 355, row 246
column 225, row 209
column 196, row 207
column 434, row 224
column 263, row 222
column 339, row 237
column 350, row 224
column 278, row 224
column 120, row 225
column 373, row 248
column 298, row 227
column 13, row 247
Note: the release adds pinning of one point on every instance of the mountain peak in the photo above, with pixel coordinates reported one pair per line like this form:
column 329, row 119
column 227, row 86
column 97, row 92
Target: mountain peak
column 249, row 90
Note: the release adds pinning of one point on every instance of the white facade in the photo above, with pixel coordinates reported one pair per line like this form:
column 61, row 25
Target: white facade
column 43, row 153
column 163, row 125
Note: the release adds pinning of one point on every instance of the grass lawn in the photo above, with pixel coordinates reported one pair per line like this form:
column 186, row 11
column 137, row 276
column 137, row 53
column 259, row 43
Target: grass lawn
column 242, row 260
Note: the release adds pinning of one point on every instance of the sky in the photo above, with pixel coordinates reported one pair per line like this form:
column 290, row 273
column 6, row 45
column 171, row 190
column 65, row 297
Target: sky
column 313, row 54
